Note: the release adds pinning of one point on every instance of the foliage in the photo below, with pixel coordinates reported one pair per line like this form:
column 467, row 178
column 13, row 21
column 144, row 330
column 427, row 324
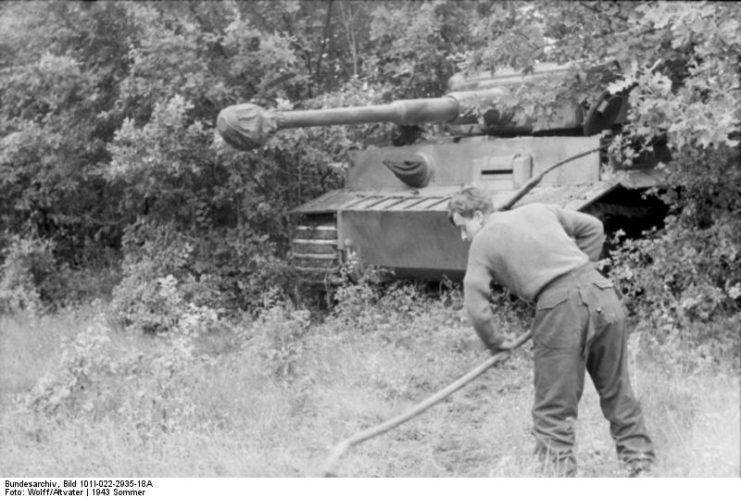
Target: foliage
column 27, row 263
column 54, row 81
column 678, row 283
column 696, row 277
column 109, row 154
column 693, row 92
column 150, row 296
column 417, row 45
column 679, row 61
column 167, row 275
column 114, row 184
column 98, row 378
column 279, row 335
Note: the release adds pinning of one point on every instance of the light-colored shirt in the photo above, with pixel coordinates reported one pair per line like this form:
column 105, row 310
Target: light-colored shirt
column 524, row 249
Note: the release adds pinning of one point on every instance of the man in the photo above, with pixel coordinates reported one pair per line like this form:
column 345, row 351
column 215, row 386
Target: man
column 544, row 254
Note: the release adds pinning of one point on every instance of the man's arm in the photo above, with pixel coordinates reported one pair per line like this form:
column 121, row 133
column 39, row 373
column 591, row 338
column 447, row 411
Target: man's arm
column 476, row 294
column 586, row 230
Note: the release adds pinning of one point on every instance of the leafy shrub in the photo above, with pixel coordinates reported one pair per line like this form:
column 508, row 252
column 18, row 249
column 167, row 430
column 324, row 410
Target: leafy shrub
column 167, row 272
column 150, row 297
column 681, row 280
column 81, row 365
column 242, row 265
column 94, row 279
column 693, row 273
column 104, row 375
column 369, row 303
column 509, row 308
column 278, row 337
column 28, row 264
column 355, row 295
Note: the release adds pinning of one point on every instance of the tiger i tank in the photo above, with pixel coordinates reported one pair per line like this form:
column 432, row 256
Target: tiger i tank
column 392, row 211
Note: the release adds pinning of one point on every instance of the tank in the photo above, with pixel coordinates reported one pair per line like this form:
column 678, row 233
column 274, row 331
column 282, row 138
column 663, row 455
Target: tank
column 392, row 211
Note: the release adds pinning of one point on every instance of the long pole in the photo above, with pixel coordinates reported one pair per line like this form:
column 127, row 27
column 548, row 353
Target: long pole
column 534, row 181
column 343, row 446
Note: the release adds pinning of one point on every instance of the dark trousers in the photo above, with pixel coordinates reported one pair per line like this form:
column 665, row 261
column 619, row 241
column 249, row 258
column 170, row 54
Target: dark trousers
column 580, row 325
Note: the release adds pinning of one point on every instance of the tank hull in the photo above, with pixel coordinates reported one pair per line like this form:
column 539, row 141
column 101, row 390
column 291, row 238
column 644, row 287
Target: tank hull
column 410, row 235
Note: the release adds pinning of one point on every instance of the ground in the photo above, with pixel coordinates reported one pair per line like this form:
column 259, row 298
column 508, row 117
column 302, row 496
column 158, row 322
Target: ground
column 275, row 404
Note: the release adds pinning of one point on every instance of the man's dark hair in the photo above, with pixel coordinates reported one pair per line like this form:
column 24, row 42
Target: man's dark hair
column 468, row 201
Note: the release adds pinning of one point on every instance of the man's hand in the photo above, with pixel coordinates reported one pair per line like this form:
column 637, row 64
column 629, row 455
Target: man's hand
column 500, row 342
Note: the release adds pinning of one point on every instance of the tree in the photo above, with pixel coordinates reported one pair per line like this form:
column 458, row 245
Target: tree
column 680, row 61
column 107, row 112
column 54, row 84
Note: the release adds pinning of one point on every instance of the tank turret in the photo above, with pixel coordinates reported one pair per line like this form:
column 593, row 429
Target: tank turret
column 392, row 212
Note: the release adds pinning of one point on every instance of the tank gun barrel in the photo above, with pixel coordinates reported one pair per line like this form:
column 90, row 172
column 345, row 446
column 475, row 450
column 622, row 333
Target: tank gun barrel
column 248, row 126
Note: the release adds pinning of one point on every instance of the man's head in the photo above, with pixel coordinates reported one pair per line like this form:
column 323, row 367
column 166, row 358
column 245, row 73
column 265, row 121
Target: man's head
column 468, row 210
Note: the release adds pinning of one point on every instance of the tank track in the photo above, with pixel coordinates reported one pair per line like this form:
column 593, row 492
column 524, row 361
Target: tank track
column 315, row 253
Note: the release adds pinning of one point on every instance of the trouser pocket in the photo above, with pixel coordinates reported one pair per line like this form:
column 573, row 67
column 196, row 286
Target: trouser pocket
column 559, row 320
column 605, row 309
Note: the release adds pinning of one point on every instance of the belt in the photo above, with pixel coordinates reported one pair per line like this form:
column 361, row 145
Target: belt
column 576, row 272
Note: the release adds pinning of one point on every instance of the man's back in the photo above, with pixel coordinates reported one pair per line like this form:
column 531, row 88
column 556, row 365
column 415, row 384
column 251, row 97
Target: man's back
column 525, row 248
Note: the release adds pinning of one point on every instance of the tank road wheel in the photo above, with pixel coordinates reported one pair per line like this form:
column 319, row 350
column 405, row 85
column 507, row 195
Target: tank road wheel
column 315, row 253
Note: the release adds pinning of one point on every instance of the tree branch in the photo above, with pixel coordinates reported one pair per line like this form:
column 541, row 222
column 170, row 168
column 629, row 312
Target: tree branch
column 347, row 22
column 325, row 36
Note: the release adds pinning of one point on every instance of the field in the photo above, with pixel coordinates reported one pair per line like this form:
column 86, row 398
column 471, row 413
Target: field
column 269, row 397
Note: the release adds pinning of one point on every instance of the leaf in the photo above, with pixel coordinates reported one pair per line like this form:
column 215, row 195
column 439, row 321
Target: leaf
column 661, row 83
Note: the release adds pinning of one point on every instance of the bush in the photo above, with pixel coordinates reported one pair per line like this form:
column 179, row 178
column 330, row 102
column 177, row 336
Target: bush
column 682, row 280
column 100, row 376
column 277, row 337
column 353, row 297
column 243, row 266
column 168, row 273
column 150, row 296
column 28, row 264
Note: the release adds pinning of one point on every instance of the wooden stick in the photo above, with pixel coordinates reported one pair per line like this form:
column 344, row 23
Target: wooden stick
column 384, row 427
column 534, row 181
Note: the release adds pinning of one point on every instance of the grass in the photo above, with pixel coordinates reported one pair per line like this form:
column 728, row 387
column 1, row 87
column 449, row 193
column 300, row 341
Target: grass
column 287, row 390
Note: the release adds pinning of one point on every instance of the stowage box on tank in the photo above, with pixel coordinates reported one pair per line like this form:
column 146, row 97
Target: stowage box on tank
column 392, row 212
